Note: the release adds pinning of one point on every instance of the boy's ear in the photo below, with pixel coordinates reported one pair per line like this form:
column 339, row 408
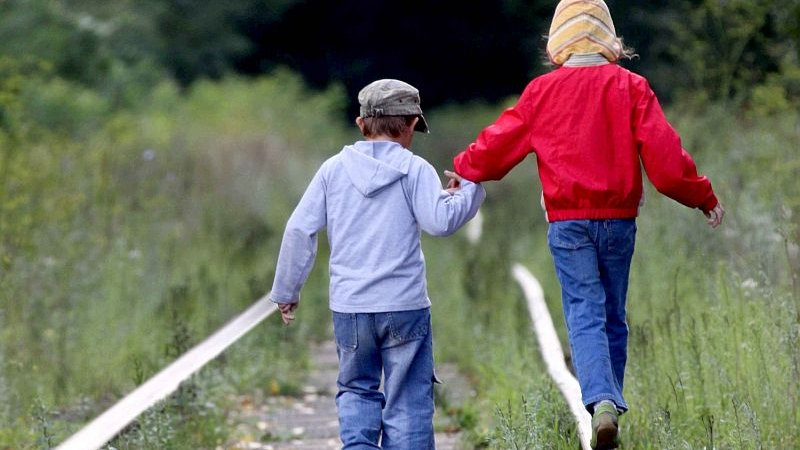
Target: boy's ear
column 414, row 123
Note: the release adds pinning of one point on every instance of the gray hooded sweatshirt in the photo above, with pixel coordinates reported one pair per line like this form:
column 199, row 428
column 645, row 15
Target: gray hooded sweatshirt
column 374, row 198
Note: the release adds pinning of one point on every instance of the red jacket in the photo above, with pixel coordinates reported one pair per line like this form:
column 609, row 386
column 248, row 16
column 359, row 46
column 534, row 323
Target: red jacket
column 589, row 128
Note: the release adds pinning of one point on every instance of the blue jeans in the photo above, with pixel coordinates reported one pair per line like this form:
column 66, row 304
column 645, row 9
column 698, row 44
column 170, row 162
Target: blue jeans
column 592, row 260
column 399, row 346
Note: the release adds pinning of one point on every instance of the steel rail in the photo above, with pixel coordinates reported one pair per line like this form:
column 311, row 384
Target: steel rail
column 552, row 353
column 107, row 425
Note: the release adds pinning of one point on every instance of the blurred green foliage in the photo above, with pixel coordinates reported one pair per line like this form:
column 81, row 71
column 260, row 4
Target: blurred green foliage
column 122, row 48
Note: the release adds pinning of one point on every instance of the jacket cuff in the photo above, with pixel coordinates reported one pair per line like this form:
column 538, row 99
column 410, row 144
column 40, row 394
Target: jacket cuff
column 710, row 203
column 282, row 299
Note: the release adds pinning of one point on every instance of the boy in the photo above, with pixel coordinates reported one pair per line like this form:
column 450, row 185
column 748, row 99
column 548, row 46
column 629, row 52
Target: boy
column 591, row 125
column 375, row 197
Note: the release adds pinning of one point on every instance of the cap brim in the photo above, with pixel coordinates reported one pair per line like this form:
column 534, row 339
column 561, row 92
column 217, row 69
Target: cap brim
column 422, row 125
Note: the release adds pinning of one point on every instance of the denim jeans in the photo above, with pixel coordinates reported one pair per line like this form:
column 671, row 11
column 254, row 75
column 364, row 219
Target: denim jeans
column 592, row 260
column 399, row 347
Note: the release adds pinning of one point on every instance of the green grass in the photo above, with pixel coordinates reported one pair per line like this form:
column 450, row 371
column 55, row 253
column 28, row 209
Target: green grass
column 128, row 244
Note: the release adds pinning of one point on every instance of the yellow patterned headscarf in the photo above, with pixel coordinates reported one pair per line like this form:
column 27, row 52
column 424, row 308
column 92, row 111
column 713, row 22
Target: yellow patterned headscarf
column 582, row 26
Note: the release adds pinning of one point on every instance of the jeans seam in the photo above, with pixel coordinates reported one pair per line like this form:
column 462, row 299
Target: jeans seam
column 348, row 343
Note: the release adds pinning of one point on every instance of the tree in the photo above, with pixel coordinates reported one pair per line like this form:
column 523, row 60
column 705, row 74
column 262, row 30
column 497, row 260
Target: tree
column 450, row 50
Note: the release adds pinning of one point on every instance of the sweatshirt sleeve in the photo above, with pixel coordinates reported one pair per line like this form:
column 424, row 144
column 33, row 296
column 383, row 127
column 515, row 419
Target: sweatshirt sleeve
column 667, row 165
column 299, row 245
column 438, row 212
column 499, row 147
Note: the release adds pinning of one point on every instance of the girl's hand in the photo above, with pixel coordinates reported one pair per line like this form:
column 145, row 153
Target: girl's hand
column 715, row 215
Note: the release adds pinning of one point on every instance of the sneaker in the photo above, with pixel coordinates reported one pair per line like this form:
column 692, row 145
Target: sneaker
column 604, row 427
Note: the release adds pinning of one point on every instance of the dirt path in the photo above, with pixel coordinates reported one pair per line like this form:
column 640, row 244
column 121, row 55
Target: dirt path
column 309, row 421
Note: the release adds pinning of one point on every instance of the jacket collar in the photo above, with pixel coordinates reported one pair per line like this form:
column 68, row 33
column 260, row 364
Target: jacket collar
column 585, row 59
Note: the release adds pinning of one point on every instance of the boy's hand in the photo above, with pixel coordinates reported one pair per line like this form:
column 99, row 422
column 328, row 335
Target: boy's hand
column 287, row 312
column 715, row 215
column 454, row 184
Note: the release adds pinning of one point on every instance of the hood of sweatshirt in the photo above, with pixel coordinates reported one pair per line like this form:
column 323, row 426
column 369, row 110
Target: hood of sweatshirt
column 374, row 165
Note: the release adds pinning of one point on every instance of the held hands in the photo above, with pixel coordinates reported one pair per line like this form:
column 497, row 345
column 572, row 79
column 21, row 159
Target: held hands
column 454, row 184
column 287, row 312
column 715, row 215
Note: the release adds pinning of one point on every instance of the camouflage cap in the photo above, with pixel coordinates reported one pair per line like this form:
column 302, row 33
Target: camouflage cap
column 390, row 97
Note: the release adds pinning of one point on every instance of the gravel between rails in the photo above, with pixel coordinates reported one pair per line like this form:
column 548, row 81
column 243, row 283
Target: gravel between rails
column 309, row 421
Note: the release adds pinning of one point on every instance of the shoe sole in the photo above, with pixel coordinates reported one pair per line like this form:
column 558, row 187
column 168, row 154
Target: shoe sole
column 606, row 435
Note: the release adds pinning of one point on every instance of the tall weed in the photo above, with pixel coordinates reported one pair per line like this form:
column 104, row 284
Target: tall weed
column 712, row 314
